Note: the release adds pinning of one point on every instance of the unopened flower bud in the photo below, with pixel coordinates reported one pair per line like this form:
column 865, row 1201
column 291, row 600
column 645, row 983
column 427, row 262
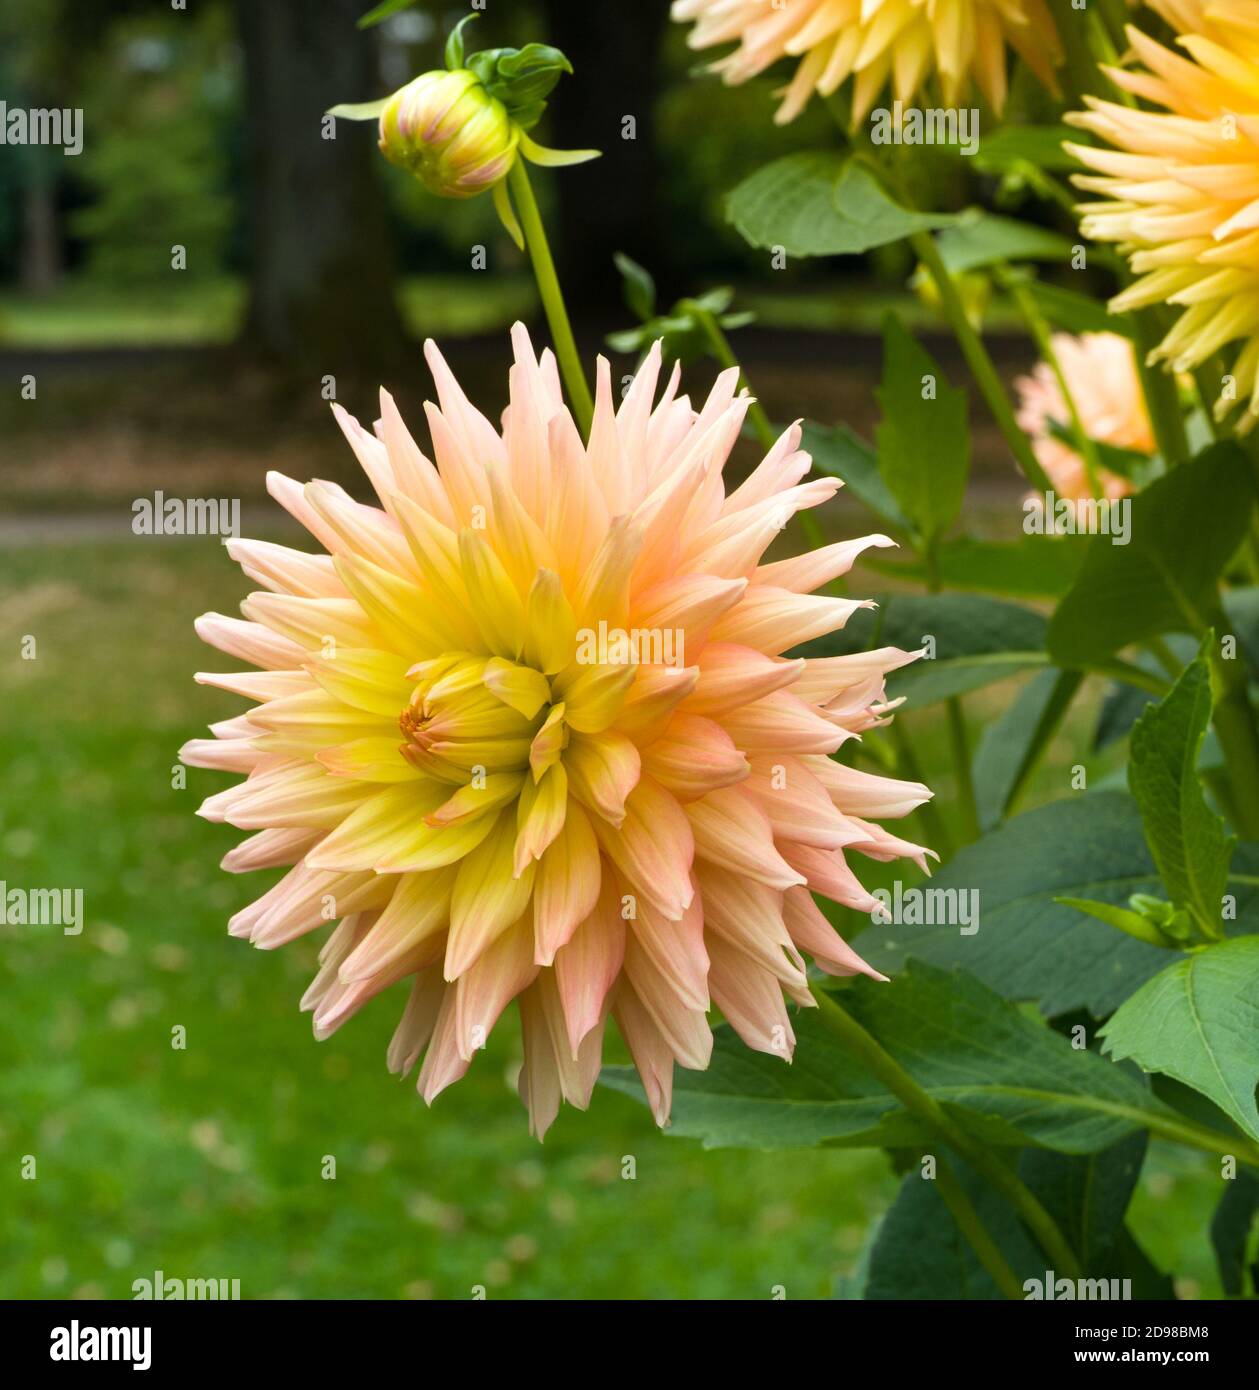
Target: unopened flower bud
column 447, row 130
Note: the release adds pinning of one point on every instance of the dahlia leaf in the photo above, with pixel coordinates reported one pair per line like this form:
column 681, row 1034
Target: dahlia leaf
column 1026, row 568
column 1197, row 1022
column 1076, row 313
column 969, row 641
column 920, row 1253
column 1009, row 1079
column 840, row 452
column 1002, row 151
column 1157, row 582
column 821, row 205
column 977, row 239
column 918, row 404
column 1185, row 836
column 1231, row 1227
column 1012, row 745
column 1029, row 946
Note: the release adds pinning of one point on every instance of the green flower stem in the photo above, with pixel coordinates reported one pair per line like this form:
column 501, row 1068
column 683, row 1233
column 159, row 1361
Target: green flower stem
column 980, row 363
column 1043, row 338
column 724, row 354
column 1235, row 727
column 757, row 417
column 959, row 743
column 1179, row 1130
column 887, row 1070
column 552, row 298
column 1162, row 399
column 908, row 766
column 1116, row 669
column 972, row 1227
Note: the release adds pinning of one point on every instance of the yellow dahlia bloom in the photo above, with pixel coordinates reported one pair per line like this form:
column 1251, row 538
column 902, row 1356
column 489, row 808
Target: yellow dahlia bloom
column 1180, row 188
column 526, row 730
column 1101, row 375
column 877, row 42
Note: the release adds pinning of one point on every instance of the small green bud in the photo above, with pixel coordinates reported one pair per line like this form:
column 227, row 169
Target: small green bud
column 447, row 130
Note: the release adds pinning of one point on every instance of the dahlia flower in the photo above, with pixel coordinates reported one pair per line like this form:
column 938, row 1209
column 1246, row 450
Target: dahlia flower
column 904, row 42
column 527, row 731
column 1180, row 188
column 1101, row 376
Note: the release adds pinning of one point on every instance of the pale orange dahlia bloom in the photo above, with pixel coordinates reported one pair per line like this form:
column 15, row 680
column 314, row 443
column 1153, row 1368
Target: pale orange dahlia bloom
column 453, row 748
column 1180, row 188
column 903, row 43
column 1101, row 375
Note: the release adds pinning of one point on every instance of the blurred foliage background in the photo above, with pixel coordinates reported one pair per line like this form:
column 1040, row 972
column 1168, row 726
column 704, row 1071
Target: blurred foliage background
column 309, row 258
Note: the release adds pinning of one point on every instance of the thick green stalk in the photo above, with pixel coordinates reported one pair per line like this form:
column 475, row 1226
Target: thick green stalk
column 908, row 766
column 959, row 743
column 724, row 354
column 920, row 1103
column 757, row 417
column 1162, row 399
column 980, row 363
column 1043, row 338
column 972, row 1227
column 552, row 298
column 1234, row 721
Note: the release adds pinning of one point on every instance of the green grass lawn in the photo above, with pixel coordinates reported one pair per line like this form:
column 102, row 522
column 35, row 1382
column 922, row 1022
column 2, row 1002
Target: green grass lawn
column 206, row 1162
column 188, row 313
column 206, row 313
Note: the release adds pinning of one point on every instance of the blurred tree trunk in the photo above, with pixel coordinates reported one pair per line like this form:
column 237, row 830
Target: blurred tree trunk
column 40, row 265
column 610, row 204
column 321, row 292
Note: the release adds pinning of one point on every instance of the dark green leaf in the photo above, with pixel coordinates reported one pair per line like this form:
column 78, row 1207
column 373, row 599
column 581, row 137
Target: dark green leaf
column 1030, row 947
column 840, row 452
column 1184, row 530
column 1232, row 1228
column 977, row 640
column 1026, row 568
column 1087, row 1194
column 1076, row 313
column 1008, row 1078
column 821, row 205
column 1041, row 145
column 1011, row 745
column 978, row 239
column 920, row 1253
column 1185, row 836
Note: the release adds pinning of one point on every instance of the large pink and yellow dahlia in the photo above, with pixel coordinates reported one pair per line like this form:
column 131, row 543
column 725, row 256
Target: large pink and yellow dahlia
column 1179, row 189
column 526, row 730
column 901, row 43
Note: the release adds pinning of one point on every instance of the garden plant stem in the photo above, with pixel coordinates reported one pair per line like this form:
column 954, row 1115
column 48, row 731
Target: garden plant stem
column 971, row 1225
column 979, row 361
column 757, row 417
column 552, row 298
column 959, row 742
column 867, row 1050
